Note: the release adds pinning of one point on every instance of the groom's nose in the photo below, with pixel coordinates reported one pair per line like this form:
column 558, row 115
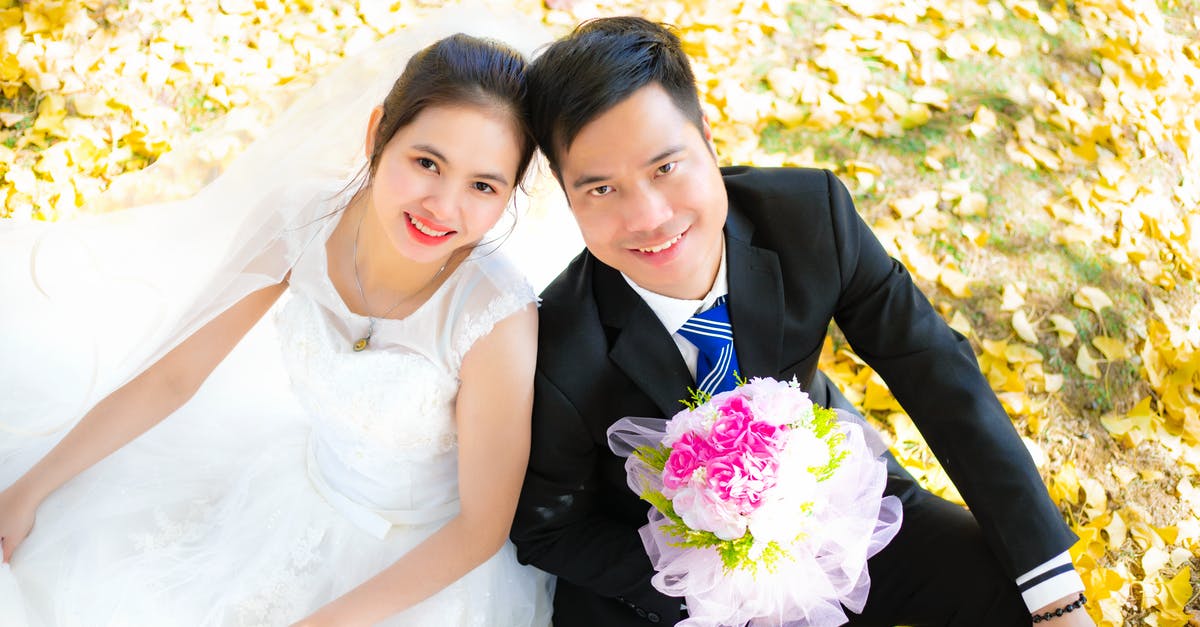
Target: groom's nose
column 646, row 209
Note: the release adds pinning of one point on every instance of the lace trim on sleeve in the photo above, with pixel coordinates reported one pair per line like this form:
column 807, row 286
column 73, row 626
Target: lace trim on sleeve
column 502, row 292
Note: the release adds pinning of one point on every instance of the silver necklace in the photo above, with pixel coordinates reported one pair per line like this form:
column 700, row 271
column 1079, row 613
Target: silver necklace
column 363, row 341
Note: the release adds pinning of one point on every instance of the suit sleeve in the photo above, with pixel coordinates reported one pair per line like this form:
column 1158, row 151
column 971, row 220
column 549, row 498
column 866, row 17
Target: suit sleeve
column 933, row 373
column 561, row 526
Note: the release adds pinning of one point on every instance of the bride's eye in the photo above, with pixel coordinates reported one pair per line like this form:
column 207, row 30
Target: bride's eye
column 483, row 187
column 427, row 163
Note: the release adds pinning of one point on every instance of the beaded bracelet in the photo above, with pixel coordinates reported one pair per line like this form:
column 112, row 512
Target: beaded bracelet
column 1066, row 609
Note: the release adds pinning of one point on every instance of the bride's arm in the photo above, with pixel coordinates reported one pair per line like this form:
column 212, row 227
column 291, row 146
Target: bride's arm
column 130, row 411
column 493, row 411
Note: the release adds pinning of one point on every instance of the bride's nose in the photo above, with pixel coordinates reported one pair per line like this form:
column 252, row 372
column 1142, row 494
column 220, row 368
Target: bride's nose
column 441, row 200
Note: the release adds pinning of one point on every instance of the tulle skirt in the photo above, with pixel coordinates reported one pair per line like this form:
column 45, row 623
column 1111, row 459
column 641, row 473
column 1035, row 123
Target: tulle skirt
column 211, row 519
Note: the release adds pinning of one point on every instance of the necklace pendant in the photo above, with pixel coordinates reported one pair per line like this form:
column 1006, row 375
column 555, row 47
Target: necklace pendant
column 361, row 344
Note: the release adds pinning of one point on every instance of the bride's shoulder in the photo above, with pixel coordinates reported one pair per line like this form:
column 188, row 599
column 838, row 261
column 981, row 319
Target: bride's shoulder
column 489, row 288
column 311, row 200
column 492, row 273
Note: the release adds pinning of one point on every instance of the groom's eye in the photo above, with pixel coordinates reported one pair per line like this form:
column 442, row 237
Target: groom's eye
column 602, row 190
column 668, row 167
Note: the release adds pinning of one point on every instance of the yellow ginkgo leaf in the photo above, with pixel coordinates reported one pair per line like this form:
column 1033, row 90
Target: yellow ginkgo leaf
column 908, row 207
column 1178, row 589
column 1123, row 474
column 1064, row 488
column 1116, row 531
column 1093, row 298
column 932, row 96
column 1012, row 297
column 1064, row 328
column 974, row 234
column 956, row 46
column 1018, row 156
column 983, row 122
column 1022, row 354
column 1134, row 427
column 917, row 115
column 1087, row 363
column 971, row 204
column 1153, row 560
column 1112, row 348
column 956, row 282
column 1145, row 536
column 1046, row 157
column 1022, row 326
column 1053, row 382
column 1008, row 48
column 960, row 323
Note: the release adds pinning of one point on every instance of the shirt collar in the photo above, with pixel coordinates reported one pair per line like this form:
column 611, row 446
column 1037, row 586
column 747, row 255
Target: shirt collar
column 673, row 312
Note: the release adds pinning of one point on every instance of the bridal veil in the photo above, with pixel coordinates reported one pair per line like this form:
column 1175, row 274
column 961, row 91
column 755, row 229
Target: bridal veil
column 87, row 304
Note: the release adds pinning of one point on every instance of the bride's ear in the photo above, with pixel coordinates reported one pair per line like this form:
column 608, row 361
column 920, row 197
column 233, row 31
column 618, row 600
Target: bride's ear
column 372, row 129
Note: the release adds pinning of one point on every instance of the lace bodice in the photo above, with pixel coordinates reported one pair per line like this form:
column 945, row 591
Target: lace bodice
column 383, row 419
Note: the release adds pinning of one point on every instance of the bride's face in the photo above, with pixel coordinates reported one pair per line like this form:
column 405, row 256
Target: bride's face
column 444, row 179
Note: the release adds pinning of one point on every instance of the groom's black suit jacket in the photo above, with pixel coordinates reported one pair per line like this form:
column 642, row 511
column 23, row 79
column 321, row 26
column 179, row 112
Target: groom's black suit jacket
column 798, row 256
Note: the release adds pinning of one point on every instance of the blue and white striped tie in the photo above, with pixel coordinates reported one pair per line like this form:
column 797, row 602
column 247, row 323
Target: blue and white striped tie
column 712, row 334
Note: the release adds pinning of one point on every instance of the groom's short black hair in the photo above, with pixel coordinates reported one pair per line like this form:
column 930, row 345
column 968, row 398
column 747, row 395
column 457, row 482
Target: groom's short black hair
column 601, row 63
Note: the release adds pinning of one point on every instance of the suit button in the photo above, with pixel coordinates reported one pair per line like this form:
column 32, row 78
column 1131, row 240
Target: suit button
column 641, row 613
column 652, row 617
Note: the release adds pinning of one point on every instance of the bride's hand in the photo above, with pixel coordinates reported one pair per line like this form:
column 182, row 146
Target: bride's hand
column 17, row 512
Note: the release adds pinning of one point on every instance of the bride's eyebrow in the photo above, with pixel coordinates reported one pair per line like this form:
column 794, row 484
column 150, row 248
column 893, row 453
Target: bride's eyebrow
column 488, row 176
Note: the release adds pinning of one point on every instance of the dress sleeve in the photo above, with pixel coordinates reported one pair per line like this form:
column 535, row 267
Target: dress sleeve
column 491, row 290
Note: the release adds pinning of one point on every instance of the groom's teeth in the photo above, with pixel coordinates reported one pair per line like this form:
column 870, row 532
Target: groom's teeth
column 663, row 246
column 424, row 229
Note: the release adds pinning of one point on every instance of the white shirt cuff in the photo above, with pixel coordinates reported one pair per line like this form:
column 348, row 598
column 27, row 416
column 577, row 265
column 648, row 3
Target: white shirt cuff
column 1049, row 582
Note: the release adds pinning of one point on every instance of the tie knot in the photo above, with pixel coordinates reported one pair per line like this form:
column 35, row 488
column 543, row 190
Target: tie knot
column 712, row 335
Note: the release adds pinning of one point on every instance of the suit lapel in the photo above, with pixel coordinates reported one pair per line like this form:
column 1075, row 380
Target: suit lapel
column 642, row 349
column 755, row 300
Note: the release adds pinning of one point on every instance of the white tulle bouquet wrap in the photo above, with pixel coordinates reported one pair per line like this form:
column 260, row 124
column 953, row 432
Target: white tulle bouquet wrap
column 765, row 507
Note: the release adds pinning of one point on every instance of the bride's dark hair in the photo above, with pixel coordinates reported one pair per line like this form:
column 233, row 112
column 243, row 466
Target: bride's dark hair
column 459, row 69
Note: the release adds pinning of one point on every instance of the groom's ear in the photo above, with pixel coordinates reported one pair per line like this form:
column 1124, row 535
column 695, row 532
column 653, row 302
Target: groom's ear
column 372, row 129
column 706, row 132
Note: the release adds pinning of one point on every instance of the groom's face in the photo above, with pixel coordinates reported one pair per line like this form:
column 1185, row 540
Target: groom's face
column 644, row 186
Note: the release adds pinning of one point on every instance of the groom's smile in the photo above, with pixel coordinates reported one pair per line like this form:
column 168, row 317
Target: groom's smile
column 644, row 186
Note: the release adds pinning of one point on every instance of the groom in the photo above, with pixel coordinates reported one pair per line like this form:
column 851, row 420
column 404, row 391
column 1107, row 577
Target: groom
column 781, row 253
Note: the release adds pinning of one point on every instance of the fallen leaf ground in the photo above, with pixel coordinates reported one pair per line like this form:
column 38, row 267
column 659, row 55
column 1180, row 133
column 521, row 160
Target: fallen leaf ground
column 1036, row 165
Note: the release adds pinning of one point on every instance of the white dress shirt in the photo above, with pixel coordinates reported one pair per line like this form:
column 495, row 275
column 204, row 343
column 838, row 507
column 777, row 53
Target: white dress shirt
column 1052, row 580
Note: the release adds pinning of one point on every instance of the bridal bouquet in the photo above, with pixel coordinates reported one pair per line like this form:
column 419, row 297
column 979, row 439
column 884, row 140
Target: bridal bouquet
column 765, row 507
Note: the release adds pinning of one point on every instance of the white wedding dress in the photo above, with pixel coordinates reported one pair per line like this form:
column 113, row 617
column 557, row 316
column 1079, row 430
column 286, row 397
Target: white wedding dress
column 255, row 505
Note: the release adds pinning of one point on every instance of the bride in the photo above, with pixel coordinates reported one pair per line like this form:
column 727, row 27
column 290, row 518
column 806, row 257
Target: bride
column 408, row 339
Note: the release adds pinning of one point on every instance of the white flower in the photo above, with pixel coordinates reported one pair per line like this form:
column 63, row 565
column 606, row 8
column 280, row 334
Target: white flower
column 700, row 511
column 683, row 422
column 779, row 519
column 802, row 450
column 780, row 403
column 781, row 515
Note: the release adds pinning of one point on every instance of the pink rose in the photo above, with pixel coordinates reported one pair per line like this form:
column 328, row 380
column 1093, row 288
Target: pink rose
column 739, row 430
column 763, row 438
column 728, row 432
column 689, row 453
column 741, row 479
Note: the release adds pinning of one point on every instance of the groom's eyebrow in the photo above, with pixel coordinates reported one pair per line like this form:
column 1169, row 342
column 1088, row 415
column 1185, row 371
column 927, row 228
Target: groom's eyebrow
column 591, row 179
column 490, row 176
